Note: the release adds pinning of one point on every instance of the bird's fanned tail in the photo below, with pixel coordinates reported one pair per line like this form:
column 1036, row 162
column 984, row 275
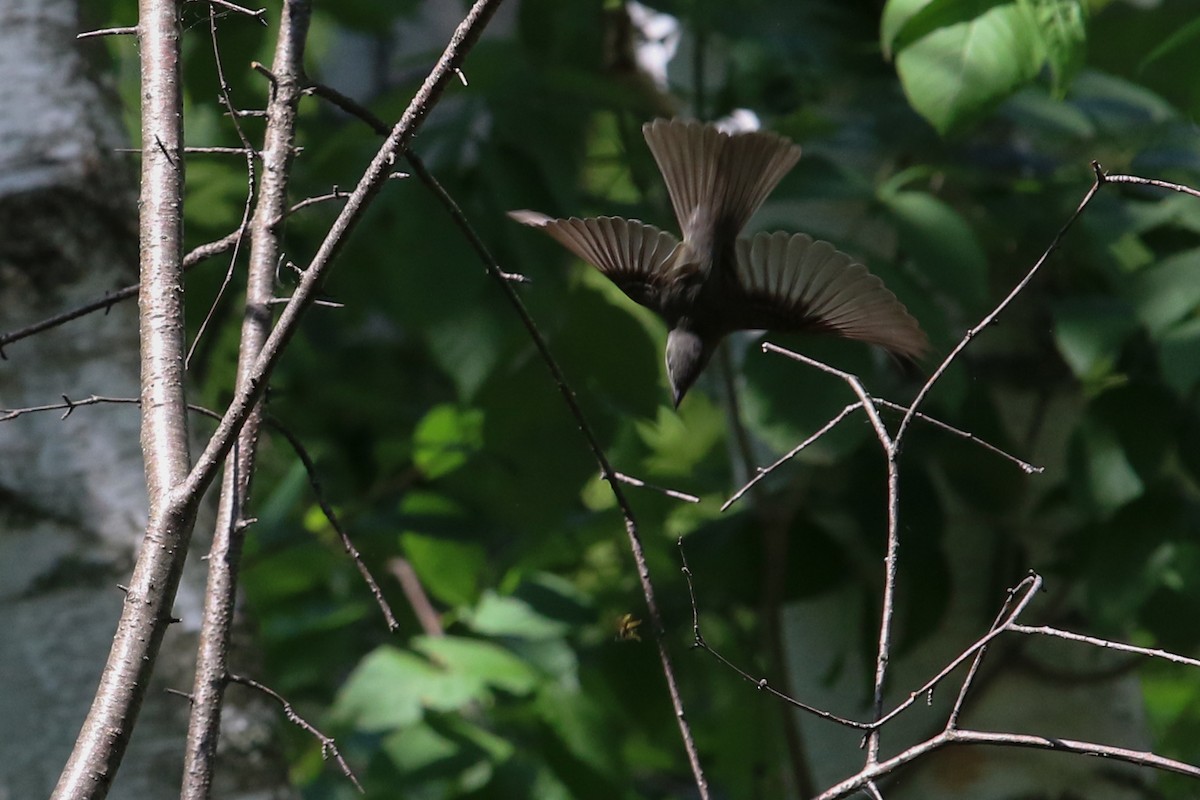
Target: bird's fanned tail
column 717, row 180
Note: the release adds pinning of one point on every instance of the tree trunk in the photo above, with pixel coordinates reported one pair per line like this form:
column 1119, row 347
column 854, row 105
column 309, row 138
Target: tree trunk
column 72, row 491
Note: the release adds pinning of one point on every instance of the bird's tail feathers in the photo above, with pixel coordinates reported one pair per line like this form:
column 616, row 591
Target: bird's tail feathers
column 717, row 180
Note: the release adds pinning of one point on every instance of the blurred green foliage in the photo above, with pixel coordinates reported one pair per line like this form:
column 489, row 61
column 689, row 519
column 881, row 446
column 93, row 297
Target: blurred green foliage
column 441, row 439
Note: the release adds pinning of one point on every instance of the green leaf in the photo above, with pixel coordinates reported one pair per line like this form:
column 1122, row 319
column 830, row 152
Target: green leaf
column 896, row 14
column 483, row 662
column 421, row 748
column 392, row 688
column 1100, row 465
column 1119, row 107
column 1063, row 28
column 941, row 242
column 445, row 438
column 1165, row 294
column 1089, row 334
column 450, row 755
column 580, row 723
column 509, row 616
column 955, row 73
column 680, row 440
column 1179, row 354
column 1182, row 37
column 468, row 346
column 449, row 570
column 384, row 691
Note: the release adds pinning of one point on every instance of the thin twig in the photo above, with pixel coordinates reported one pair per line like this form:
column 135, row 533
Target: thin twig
column 130, row 30
column 1107, row 644
column 1025, row 466
column 762, row 472
column 1008, row 299
column 331, row 515
column 891, row 451
column 192, row 259
column 250, row 153
column 967, row 737
column 1030, row 585
column 641, row 484
column 259, row 14
column 789, row 455
column 68, row 406
column 505, row 281
column 1139, row 181
column 224, row 563
column 306, row 291
column 328, row 744
column 762, row 684
column 418, row 598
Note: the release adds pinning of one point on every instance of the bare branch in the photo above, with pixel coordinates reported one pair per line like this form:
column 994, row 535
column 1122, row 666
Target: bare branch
column 418, row 599
column 259, row 14
column 147, row 606
column 641, row 484
column 995, row 313
column 762, row 684
column 505, row 281
column 192, row 259
column 965, row 737
column 765, row 471
column 126, row 31
column 1107, row 644
column 212, row 657
column 306, row 291
column 328, row 745
column 331, row 515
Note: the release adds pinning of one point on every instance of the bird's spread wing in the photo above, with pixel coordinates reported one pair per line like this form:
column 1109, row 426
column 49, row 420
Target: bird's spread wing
column 635, row 256
column 717, row 180
column 792, row 282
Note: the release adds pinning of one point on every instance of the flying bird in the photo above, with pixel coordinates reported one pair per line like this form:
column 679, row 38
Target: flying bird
column 715, row 281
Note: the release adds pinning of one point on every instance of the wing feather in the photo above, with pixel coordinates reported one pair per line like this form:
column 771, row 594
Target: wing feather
column 793, row 282
column 635, row 256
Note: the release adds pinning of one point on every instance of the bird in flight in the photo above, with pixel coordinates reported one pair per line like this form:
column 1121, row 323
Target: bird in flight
column 715, row 281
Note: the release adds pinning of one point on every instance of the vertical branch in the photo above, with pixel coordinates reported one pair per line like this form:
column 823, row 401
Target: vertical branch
column 891, row 449
column 212, row 665
column 164, row 421
column 106, row 730
column 888, row 606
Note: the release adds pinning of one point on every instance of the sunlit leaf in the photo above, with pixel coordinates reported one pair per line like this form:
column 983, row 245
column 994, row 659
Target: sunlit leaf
column 478, row 660
column 446, row 438
column 959, row 66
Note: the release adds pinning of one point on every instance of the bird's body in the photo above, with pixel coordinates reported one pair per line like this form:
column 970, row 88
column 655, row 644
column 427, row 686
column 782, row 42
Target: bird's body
column 714, row 281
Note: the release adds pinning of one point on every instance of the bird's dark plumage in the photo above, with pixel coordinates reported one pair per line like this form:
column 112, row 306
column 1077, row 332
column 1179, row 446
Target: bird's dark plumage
column 715, row 281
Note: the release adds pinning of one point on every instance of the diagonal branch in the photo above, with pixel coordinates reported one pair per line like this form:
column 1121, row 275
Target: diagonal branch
column 369, row 185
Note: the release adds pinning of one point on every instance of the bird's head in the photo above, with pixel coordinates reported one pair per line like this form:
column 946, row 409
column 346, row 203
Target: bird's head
column 687, row 356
